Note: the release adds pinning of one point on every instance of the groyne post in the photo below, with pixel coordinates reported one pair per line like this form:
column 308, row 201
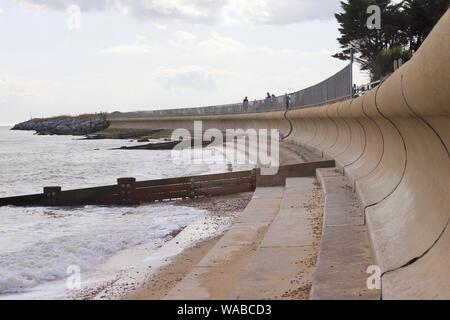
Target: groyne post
column 253, row 178
column 192, row 189
column 127, row 190
column 51, row 194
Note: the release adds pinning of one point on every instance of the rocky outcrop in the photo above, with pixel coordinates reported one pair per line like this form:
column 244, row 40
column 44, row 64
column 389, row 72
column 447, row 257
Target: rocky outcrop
column 168, row 145
column 64, row 126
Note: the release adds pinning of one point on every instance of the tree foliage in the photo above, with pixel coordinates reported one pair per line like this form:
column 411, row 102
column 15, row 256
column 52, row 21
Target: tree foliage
column 404, row 26
column 421, row 17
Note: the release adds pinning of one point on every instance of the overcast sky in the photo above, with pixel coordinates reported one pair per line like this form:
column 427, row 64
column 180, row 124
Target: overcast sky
column 154, row 54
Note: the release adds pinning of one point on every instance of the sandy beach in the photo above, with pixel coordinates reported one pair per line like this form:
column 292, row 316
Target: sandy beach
column 162, row 281
column 150, row 270
column 166, row 277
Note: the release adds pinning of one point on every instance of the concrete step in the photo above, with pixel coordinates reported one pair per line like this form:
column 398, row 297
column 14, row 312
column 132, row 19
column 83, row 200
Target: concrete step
column 283, row 263
column 302, row 151
column 216, row 274
column 344, row 253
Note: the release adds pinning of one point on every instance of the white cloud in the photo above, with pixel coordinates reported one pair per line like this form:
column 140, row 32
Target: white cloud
column 196, row 11
column 215, row 44
column 194, row 77
column 10, row 87
column 208, row 11
column 159, row 26
column 221, row 45
column 139, row 45
column 16, row 91
column 182, row 38
column 283, row 12
column 85, row 5
column 33, row 6
column 298, row 53
column 272, row 51
column 121, row 8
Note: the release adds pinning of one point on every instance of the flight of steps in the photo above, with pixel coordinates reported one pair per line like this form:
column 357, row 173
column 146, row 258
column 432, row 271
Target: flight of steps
column 265, row 253
column 283, row 264
column 271, row 251
column 344, row 255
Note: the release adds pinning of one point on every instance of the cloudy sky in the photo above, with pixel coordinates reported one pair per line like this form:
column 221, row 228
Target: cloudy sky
column 152, row 54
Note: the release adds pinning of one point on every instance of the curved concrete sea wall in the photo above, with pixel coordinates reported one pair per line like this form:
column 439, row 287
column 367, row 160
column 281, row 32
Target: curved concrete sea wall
column 393, row 144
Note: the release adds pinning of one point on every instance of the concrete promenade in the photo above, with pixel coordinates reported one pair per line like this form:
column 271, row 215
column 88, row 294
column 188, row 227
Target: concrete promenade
column 269, row 253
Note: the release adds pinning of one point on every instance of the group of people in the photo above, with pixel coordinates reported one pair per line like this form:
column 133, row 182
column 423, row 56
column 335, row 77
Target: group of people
column 269, row 98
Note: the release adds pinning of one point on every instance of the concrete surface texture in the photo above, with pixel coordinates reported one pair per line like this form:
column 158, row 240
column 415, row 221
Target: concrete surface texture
column 344, row 253
column 269, row 253
column 393, row 145
column 216, row 274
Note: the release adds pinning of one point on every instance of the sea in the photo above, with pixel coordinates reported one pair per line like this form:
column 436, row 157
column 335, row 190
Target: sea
column 38, row 245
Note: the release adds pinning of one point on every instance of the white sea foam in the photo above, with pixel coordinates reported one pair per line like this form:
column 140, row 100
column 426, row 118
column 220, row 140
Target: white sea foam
column 42, row 249
column 38, row 244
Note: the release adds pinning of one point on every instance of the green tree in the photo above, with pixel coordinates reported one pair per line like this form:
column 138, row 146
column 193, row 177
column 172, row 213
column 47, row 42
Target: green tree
column 367, row 44
column 422, row 15
column 404, row 26
column 384, row 63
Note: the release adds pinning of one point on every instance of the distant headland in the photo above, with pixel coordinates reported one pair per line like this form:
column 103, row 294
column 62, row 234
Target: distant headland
column 66, row 125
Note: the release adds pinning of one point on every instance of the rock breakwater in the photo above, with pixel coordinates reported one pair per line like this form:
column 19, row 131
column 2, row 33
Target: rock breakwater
column 63, row 126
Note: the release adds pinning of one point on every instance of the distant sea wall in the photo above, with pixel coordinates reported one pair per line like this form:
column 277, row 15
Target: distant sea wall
column 63, row 126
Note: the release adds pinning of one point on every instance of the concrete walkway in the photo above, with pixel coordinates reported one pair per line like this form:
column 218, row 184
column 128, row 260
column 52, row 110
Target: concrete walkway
column 215, row 275
column 287, row 245
column 344, row 253
column 269, row 253
column 283, row 264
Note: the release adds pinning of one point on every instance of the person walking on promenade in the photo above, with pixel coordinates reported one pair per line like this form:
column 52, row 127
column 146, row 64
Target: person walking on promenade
column 287, row 98
column 274, row 99
column 245, row 102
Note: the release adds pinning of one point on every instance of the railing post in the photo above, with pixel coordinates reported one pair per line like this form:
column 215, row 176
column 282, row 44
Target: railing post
column 127, row 187
column 51, row 195
column 352, row 59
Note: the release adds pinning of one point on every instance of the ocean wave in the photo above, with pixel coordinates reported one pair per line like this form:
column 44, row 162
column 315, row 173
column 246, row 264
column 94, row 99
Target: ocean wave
column 41, row 249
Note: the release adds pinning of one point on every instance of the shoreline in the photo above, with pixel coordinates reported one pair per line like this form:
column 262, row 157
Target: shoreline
column 167, row 276
column 151, row 271
column 161, row 282
column 124, row 280
column 126, row 272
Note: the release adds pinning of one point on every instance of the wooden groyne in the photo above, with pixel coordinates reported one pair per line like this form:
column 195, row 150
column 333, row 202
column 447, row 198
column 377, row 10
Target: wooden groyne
column 129, row 192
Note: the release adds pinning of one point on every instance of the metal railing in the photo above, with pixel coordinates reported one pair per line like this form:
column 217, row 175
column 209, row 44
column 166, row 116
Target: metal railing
column 361, row 90
column 337, row 87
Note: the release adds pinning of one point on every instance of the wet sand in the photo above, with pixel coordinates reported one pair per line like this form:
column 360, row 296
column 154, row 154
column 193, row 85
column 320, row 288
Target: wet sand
column 159, row 284
column 162, row 280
